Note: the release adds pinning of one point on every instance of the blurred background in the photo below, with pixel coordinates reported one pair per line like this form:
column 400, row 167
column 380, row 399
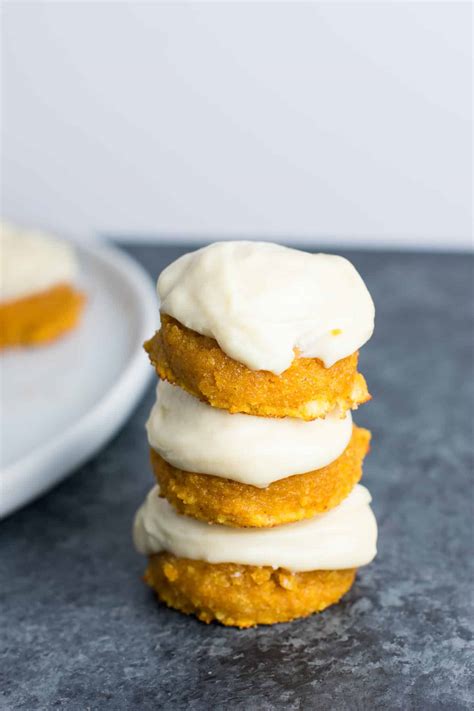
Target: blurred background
column 343, row 123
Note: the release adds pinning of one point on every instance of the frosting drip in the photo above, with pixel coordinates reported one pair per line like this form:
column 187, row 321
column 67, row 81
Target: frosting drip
column 263, row 302
column 344, row 537
column 196, row 437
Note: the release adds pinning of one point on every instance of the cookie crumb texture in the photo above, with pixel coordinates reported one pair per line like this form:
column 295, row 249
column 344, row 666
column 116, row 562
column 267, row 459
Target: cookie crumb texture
column 231, row 503
column 243, row 595
column 40, row 318
column 305, row 390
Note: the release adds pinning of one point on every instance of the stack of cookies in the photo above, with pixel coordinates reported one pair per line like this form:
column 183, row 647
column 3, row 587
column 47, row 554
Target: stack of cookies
column 257, row 516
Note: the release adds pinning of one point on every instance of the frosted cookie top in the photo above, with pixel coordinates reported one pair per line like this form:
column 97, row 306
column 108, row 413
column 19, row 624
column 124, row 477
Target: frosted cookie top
column 344, row 537
column 262, row 301
column 31, row 262
column 191, row 435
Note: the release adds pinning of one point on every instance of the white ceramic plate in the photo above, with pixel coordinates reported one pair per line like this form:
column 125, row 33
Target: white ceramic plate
column 62, row 402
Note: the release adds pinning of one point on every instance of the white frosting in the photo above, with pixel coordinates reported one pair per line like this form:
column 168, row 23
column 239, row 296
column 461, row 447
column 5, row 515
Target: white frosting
column 260, row 301
column 254, row 450
column 345, row 537
column 31, row 262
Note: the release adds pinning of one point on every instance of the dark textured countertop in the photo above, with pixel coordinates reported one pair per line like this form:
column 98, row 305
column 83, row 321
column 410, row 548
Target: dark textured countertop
column 81, row 631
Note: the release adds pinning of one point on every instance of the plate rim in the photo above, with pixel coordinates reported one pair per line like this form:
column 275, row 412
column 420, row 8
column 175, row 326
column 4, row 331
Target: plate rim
column 22, row 481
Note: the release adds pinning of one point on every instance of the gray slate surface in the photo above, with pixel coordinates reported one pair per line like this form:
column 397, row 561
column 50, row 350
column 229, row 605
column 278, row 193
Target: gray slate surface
column 81, row 631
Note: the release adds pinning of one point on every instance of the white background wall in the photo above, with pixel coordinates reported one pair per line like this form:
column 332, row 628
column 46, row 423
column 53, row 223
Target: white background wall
column 335, row 121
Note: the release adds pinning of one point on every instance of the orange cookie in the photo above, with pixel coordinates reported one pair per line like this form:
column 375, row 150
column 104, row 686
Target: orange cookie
column 40, row 318
column 305, row 390
column 218, row 500
column 243, row 595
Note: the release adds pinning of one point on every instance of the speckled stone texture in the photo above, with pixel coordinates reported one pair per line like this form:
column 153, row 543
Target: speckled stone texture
column 81, row 631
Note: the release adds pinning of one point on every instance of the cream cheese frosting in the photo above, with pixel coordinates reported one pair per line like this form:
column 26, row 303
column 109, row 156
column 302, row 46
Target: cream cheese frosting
column 32, row 262
column 196, row 437
column 344, row 537
column 261, row 301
